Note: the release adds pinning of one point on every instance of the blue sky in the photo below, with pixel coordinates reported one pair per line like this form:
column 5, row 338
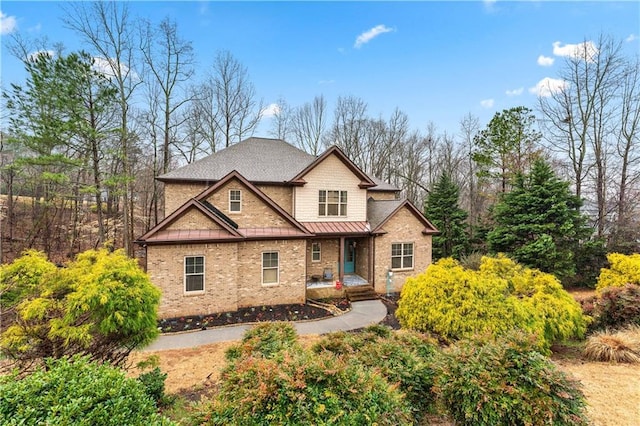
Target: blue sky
column 436, row 61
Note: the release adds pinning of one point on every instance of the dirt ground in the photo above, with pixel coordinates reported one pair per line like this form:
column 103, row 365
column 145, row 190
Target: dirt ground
column 612, row 390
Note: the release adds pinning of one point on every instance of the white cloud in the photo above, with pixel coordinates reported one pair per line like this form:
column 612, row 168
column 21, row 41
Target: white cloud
column 632, row 37
column 489, row 5
column 548, row 86
column 369, row 35
column 515, row 92
column 31, row 57
column 270, row 110
column 487, row 103
column 545, row 61
column 585, row 50
column 8, row 24
column 103, row 66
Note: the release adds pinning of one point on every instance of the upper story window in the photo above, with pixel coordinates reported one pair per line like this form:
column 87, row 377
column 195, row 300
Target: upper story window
column 332, row 203
column 402, row 256
column 193, row 274
column 270, row 267
column 315, row 252
column 235, row 201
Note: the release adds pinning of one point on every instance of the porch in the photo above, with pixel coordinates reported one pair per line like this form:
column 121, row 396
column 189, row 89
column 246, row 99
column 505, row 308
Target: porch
column 354, row 288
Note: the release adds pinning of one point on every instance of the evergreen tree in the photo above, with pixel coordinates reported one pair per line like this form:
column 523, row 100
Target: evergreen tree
column 443, row 211
column 539, row 222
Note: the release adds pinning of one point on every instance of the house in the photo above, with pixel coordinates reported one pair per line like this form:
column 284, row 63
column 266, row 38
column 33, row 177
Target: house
column 263, row 223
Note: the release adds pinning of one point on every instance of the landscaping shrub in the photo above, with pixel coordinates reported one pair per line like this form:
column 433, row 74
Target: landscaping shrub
column 455, row 302
column 299, row 387
column 623, row 269
column 76, row 392
column 153, row 382
column 101, row 305
column 405, row 358
column 620, row 346
column 614, row 307
column 266, row 339
column 506, row 381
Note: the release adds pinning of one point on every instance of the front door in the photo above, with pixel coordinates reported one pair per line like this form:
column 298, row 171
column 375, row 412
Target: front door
column 349, row 256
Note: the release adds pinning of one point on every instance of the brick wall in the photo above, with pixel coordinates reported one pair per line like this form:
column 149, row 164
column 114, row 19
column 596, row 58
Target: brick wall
column 329, row 256
column 255, row 213
column 233, row 276
column 176, row 194
column 291, row 287
column 166, row 269
column 403, row 227
column 193, row 219
column 281, row 195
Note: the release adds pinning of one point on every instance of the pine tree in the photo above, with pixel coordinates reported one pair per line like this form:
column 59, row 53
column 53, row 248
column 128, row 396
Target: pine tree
column 539, row 223
column 443, row 211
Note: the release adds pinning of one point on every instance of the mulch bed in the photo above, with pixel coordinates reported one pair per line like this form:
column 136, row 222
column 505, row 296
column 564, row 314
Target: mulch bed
column 295, row 312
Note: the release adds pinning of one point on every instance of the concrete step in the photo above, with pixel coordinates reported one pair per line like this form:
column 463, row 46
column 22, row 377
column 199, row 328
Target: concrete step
column 361, row 292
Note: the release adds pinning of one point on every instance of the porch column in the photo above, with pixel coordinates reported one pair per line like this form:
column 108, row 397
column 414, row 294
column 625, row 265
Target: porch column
column 372, row 263
column 341, row 261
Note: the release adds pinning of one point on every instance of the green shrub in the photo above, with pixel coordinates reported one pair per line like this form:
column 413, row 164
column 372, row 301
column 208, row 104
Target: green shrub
column 623, row 269
column 403, row 357
column 506, row 382
column 302, row 388
column 266, row 339
column 614, row 307
column 153, row 382
column 76, row 392
column 455, row 302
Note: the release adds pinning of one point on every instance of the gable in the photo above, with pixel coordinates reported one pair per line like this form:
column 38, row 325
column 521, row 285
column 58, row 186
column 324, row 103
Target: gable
column 386, row 216
column 254, row 211
column 331, row 173
column 193, row 218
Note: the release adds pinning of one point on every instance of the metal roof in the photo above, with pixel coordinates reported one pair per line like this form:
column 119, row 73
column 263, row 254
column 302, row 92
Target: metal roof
column 337, row 228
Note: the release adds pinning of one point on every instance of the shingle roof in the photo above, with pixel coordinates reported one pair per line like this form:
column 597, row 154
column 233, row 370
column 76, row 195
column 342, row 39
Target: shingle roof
column 257, row 159
column 382, row 185
column 379, row 210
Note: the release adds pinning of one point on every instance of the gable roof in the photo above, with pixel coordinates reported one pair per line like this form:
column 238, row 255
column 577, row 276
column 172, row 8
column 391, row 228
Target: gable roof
column 366, row 181
column 234, row 174
column 381, row 211
column 160, row 233
column 257, row 159
column 264, row 160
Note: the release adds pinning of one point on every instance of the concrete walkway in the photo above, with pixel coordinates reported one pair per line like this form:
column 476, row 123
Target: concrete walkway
column 362, row 314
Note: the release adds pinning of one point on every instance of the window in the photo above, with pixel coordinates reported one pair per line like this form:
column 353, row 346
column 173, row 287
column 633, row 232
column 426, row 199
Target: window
column 315, row 252
column 270, row 267
column 193, row 273
column 235, row 200
column 332, row 203
column 402, row 256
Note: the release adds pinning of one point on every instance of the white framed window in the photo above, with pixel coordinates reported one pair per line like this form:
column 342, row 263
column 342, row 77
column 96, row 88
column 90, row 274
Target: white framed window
column 270, row 267
column 315, row 252
column 332, row 203
column 402, row 256
column 194, row 274
column 235, row 201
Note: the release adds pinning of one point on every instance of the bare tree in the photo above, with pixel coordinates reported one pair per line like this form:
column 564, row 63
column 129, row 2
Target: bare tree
column 281, row 120
column 626, row 230
column 308, row 124
column 580, row 116
column 349, row 124
column 235, row 99
column 170, row 60
column 108, row 28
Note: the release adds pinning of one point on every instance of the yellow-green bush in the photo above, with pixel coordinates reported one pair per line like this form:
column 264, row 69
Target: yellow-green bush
column 624, row 269
column 456, row 302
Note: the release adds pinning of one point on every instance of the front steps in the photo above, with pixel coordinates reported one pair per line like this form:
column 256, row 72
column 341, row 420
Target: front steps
column 361, row 292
